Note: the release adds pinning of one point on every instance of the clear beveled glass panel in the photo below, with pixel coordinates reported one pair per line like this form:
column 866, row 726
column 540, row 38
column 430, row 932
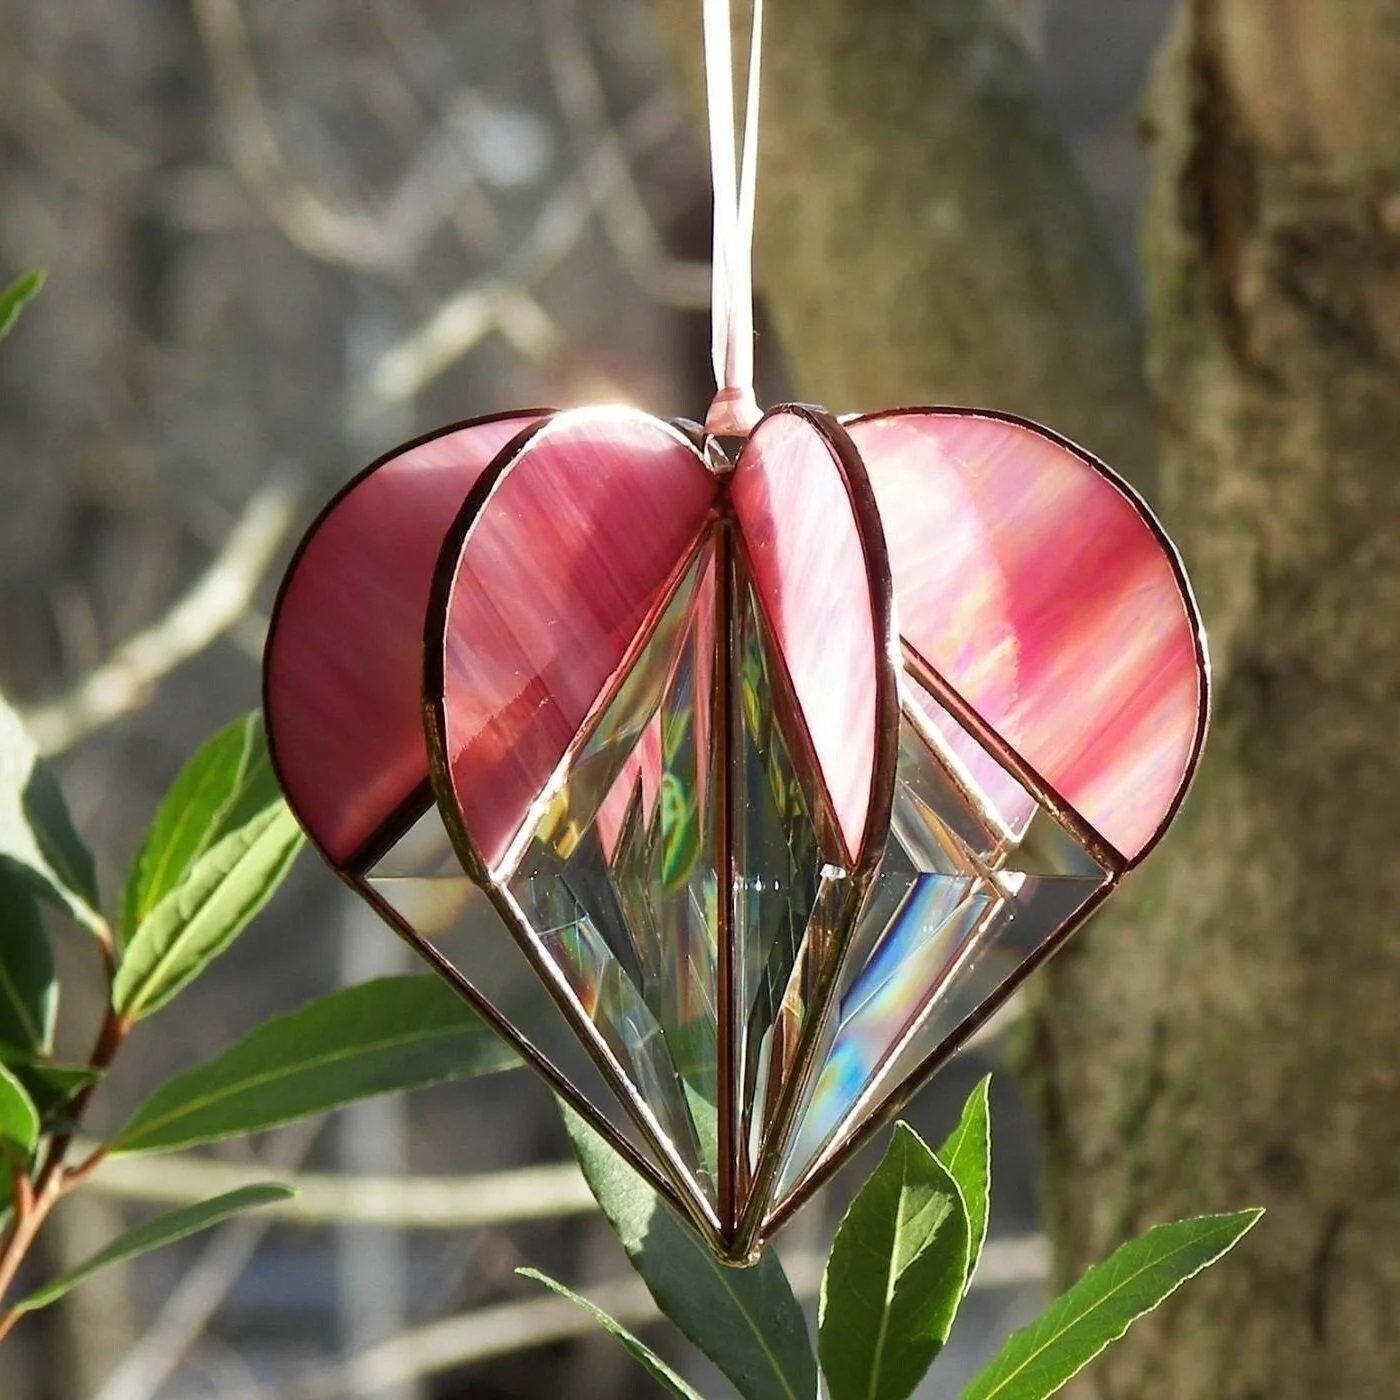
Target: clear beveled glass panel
column 790, row 890
column 615, row 877
column 421, row 879
column 969, row 887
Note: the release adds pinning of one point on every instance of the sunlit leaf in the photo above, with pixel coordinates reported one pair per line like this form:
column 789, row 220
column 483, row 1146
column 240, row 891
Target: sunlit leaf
column 896, row 1274
column 659, row 1371
column 198, row 919
column 28, row 989
column 164, row 1229
column 747, row 1321
column 37, row 837
column 1134, row 1279
column 19, row 1119
column 227, row 782
column 391, row 1034
column 14, row 297
column 49, row 1083
column 967, row 1154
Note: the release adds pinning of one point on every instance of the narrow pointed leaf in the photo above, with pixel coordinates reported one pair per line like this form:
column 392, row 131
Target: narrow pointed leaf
column 376, row 1038
column 895, row 1277
column 227, row 782
column 1134, row 1279
column 19, row 1119
column 28, row 989
column 747, row 1321
column 206, row 911
column 967, row 1154
column 154, row 1234
column 13, row 298
column 37, row 837
column 659, row 1371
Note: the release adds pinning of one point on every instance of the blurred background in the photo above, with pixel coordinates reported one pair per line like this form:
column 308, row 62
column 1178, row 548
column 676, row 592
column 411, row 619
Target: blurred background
column 279, row 239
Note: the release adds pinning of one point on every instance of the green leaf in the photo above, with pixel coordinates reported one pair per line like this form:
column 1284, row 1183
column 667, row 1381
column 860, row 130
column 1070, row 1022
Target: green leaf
column 660, row 1372
column 37, row 838
column 49, row 1083
column 395, row 1033
column 895, row 1277
column 227, row 782
column 19, row 1119
column 13, row 298
column 967, row 1154
column 745, row 1320
column 28, row 989
column 206, row 911
column 1134, row 1279
column 154, row 1234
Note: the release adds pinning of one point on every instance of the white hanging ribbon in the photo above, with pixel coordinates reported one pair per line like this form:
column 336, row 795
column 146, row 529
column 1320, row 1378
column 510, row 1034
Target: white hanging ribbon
column 734, row 410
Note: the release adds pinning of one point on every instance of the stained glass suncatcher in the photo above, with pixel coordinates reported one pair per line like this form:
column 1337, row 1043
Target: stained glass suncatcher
column 736, row 793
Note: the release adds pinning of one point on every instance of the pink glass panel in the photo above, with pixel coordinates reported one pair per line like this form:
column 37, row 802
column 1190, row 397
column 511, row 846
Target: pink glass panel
column 578, row 543
column 344, row 656
column 809, row 570
column 1041, row 592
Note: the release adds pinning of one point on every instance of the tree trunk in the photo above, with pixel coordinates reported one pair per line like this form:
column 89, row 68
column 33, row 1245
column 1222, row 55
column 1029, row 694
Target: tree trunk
column 1228, row 1034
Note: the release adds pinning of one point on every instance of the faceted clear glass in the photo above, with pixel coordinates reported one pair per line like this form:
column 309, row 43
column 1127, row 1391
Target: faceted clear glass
column 420, row 879
column 616, row 878
column 790, row 889
column 695, row 777
column 977, row 874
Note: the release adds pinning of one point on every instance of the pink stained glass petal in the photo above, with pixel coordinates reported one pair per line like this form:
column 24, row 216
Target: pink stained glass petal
column 344, row 662
column 551, row 581
column 1044, row 593
column 810, row 559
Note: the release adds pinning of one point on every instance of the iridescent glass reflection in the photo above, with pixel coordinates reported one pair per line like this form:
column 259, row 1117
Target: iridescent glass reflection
column 975, row 876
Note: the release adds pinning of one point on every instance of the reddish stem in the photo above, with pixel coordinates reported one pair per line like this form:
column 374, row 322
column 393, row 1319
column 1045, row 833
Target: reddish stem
column 34, row 1199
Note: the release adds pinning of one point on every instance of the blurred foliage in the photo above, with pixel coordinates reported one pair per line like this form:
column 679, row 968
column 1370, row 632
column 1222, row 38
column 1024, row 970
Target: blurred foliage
column 220, row 845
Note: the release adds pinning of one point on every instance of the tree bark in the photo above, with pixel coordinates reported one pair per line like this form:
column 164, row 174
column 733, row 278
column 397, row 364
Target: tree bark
column 1228, row 1034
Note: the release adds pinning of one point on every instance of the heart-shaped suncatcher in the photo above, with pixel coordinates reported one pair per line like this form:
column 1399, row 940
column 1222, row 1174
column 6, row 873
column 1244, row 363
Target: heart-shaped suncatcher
column 782, row 770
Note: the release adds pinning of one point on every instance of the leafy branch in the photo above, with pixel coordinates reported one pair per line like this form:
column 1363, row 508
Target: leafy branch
column 220, row 844
column 901, row 1263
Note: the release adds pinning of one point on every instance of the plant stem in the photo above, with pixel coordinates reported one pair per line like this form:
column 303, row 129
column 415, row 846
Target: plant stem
column 33, row 1200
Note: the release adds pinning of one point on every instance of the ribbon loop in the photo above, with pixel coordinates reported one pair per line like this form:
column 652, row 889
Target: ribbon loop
column 734, row 410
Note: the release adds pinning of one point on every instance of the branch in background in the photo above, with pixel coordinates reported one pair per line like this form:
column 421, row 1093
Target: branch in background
column 603, row 154
column 62, row 137
column 328, row 229
column 325, row 1198
column 511, row 1327
column 186, row 1311
column 441, row 186
column 1029, row 17
column 418, row 47
column 125, row 682
column 471, row 314
column 325, row 227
